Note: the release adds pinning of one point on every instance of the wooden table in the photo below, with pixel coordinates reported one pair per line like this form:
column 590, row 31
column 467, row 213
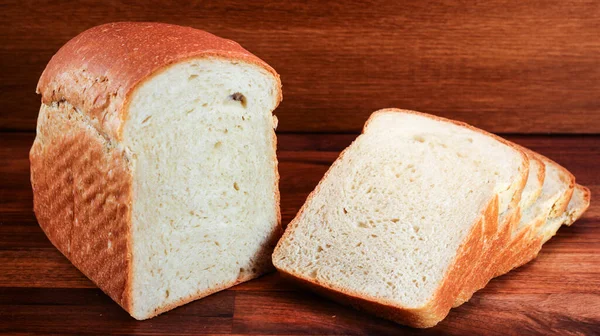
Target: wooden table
column 529, row 70
column 40, row 291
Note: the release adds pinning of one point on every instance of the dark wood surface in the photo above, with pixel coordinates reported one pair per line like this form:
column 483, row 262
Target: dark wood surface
column 506, row 66
column 511, row 67
column 41, row 292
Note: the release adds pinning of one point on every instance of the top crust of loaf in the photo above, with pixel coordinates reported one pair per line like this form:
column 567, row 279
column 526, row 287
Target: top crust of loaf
column 97, row 71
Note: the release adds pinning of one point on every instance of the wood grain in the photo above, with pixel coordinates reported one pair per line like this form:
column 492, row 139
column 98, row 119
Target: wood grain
column 41, row 292
column 505, row 66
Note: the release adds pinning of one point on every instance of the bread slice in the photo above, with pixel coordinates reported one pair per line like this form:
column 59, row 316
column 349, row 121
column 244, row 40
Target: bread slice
column 547, row 228
column 508, row 236
column 555, row 192
column 154, row 168
column 580, row 201
column 399, row 219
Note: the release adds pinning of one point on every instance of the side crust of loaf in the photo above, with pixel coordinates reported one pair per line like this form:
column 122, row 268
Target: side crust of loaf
column 82, row 198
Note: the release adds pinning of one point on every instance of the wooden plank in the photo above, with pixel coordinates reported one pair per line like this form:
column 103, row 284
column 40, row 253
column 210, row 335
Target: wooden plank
column 41, row 292
column 489, row 314
column 517, row 67
column 77, row 311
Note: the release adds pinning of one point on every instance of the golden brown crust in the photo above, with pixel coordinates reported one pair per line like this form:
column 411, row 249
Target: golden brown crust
column 82, row 198
column 99, row 69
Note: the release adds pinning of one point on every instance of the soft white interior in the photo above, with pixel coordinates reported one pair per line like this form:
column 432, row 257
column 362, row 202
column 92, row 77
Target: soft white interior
column 389, row 217
column 202, row 141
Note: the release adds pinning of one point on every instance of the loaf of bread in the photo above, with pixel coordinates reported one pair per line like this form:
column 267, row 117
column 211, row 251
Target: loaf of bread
column 419, row 212
column 154, row 168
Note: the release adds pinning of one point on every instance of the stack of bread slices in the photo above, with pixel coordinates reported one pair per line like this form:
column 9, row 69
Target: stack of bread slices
column 419, row 212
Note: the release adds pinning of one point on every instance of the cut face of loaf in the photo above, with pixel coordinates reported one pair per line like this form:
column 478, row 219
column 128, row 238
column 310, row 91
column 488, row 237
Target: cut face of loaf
column 394, row 224
column 154, row 167
column 205, row 209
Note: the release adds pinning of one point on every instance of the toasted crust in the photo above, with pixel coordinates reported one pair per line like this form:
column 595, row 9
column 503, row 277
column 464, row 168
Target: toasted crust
column 457, row 277
column 82, row 198
column 77, row 158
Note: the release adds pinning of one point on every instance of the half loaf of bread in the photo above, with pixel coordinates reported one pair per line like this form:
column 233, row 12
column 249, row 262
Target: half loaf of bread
column 154, row 168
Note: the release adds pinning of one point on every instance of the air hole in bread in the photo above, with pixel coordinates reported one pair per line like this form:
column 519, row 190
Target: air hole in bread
column 236, row 186
column 191, row 77
column 218, row 144
column 239, row 98
column 146, row 119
